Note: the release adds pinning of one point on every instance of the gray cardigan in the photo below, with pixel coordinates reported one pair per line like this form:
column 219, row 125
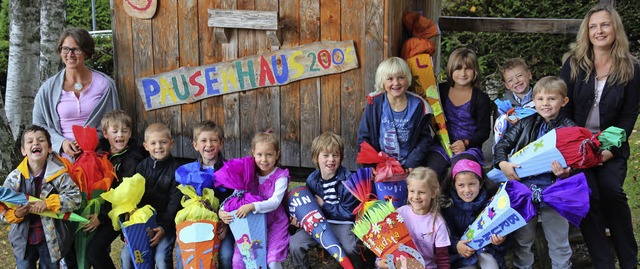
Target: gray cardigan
column 48, row 97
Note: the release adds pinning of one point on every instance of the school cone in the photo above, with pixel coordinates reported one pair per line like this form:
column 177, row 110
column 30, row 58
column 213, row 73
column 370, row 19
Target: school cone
column 303, row 206
column 199, row 243
column 379, row 225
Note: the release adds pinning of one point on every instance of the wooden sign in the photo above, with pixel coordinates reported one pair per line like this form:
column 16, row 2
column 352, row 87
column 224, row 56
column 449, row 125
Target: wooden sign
column 141, row 9
column 190, row 84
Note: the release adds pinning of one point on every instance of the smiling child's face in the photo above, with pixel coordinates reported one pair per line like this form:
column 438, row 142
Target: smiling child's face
column 35, row 146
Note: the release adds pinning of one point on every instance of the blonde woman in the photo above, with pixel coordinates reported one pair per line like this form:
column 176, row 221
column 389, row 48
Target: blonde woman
column 603, row 80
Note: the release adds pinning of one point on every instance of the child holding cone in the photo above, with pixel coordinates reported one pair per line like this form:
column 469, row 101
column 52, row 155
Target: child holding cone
column 41, row 174
column 549, row 96
column 335, row 200
column 272, row 186
column 465, row 195
column 423, row 220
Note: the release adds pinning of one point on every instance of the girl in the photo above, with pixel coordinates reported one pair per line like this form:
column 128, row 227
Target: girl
column 467, row 111
column 273, row 182
column 603, row 79
column 465, row 195
column 396, row 121
column 432, row 239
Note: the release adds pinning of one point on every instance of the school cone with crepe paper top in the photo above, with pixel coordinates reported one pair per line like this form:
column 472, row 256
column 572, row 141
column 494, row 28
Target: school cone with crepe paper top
column 514, row 205
column 136, row 223
column 390, row 179
column 197, row 223
column 380, row 227
column 93, row 173
column 574, row 147
column 249, row 232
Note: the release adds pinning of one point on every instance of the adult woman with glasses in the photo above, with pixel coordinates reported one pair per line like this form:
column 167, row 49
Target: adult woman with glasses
column 77, row 95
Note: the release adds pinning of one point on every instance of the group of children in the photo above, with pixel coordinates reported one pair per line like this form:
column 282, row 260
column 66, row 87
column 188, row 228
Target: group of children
column 437, row 212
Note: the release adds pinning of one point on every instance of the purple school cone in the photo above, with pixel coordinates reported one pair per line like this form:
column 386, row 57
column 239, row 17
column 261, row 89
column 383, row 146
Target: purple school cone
column 138, row 236
column 303, row 206
column 250, row 234
column 396, row 191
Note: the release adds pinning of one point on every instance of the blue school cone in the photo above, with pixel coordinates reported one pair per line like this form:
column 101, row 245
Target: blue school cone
column 396, row 191
column 250, row 234
column 304, row 207
column 138, row 236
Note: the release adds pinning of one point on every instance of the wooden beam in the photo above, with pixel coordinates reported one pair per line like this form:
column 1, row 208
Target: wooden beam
column 245, row 19
column 510, row 25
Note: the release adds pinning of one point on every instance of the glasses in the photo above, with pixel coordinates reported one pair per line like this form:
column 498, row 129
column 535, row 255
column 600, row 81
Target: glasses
column 75, row 51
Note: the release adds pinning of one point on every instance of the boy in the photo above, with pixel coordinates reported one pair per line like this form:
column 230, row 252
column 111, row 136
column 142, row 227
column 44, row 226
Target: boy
column 42, row 175
column 336, row 201
column 160, row 192
column 549, row 95
column 208, row 141
column 125, row 155
column 516, row 77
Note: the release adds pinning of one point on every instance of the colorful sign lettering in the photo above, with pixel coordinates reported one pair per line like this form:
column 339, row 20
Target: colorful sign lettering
column 190, row 84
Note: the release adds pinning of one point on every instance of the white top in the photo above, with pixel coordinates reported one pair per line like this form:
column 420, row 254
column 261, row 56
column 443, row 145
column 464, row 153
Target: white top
column 275, row 200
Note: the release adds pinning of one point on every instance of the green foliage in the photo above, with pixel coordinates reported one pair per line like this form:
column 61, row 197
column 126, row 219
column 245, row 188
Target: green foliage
column 102, row 60
column 4, row 20
column 79, row 14
column 4, row 44
column 543, row 52
column 630, row 12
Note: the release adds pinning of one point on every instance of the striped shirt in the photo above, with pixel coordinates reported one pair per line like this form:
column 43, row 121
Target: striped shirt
column 329, row 190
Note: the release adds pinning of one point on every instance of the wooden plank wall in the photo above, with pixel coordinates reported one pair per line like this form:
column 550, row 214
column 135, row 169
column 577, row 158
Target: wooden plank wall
column 296, row 113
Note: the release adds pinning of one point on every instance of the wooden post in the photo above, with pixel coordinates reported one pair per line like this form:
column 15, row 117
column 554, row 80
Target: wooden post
column 433, row 12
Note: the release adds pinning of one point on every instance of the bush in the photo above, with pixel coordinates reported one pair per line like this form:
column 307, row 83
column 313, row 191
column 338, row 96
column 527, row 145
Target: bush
column 543, row 52
column 102, row 60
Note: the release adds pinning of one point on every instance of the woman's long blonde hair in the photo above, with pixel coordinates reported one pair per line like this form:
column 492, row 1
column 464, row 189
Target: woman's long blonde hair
column 582, row 51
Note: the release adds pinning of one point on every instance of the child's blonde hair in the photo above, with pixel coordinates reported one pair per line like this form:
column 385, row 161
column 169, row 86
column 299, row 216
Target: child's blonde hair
column 463, row 57
column 550, row 84
column 329, row 142
column 265, row 137
column 388, row 67
column 157, row 127
column 429, row 176
column 115, row 118
column 207, row 126
column 512, row 63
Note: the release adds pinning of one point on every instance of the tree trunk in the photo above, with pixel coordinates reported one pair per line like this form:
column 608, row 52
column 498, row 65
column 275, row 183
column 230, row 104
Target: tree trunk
column 52, row 14
column 9, row 155
column 23, row 78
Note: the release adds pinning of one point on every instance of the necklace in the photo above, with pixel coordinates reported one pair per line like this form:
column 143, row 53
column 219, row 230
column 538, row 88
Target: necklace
column 603, row 76
column 78, row 86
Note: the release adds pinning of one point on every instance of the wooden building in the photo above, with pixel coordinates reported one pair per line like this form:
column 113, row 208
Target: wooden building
column 179, row 35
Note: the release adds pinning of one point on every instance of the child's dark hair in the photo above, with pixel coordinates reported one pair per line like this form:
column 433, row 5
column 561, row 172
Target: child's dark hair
column 448, row 186
column 33, row 129
column 512, row 63
column 207, row 126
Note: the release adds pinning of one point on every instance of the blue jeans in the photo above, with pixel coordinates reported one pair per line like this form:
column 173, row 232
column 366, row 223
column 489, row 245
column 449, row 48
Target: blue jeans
column 32, row 253
column 225, row 254
column 163, row 254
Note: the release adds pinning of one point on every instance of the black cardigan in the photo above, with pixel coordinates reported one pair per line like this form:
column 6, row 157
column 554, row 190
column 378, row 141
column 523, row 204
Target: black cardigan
column 619, row 103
